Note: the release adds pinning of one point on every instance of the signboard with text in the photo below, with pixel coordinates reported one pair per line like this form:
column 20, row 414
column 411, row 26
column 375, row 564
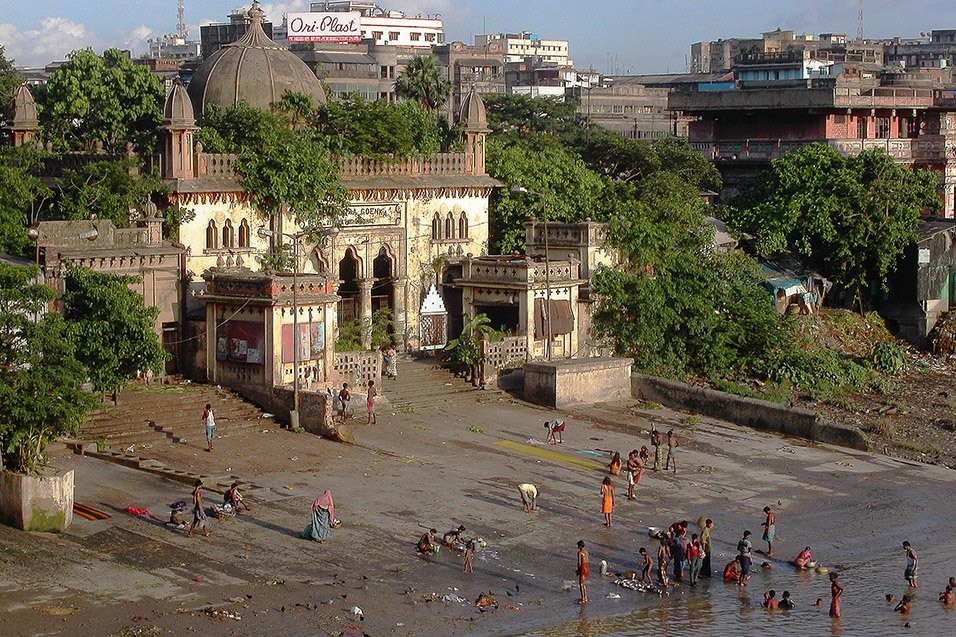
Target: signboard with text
column 337, row 26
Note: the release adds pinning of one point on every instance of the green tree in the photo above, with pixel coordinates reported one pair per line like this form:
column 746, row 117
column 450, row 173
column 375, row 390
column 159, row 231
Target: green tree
column 421, row 81
column 356, row 126
column 22, row 195
column 40, row 376
column 467, row 347
column 849, row 218
column 114, row 326
column 523, row 115
column 106, row 189
column 10, row 79
column 572, row 191
column 285, row 168
column 101, row 99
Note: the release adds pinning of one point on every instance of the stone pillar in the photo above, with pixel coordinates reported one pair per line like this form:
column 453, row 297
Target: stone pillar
column 399, row 287
column 365, row 310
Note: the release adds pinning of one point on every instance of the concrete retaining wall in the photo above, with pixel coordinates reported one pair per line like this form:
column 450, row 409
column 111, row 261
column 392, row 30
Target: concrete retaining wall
column 36, row 503
column 574, row 381
column 751, row 412
column 315, row 409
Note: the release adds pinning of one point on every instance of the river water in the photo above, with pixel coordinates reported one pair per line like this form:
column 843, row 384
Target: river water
column 718, row 608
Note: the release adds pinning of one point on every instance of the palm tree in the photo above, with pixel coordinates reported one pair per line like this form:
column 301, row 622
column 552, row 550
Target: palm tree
column 467, row 346
column 421, row 80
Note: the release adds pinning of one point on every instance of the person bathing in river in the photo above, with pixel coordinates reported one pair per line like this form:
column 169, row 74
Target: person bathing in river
column 769, row 530
column 786, row 603
column 802, row 561
column 903, row 607
column 912, row 565
column 770, row 600
column 948, row 597
column 732, row 571
column 645, row 565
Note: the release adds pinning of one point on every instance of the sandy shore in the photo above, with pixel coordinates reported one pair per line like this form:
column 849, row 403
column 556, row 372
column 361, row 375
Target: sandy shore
column 441, row 466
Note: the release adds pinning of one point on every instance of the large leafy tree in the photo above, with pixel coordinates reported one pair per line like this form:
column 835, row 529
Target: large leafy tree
column 847, row 217
column 40, row 376
column 421, row 81
column 524, row 115
column 572, row 192
column 9, row 80
column 101, row 99
column 22, row 195
column 355, row 126
column 114, row 326
column 107, row 190
column 284, row 165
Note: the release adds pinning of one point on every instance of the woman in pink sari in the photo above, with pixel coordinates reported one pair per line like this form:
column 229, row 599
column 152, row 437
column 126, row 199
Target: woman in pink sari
column 323, row 513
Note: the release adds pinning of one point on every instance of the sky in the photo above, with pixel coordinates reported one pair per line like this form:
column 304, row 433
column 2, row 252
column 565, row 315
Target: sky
column 614, row 36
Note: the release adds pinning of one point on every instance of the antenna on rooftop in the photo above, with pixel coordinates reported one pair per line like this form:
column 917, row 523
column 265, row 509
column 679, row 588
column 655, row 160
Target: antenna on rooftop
column 859, row 27
column 181, row 24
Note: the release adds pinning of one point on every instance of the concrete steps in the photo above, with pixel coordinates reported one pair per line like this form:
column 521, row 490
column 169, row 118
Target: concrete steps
column 424, row 384
column 169, row 413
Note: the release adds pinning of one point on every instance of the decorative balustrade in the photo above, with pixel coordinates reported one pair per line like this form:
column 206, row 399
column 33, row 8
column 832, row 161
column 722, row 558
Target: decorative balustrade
column 508, row 353
column 216, row 165
column 519, row 271
column 220, row 165
column 903, row 149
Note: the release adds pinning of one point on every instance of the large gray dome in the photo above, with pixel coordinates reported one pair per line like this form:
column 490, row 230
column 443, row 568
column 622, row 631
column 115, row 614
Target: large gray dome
column 254, row 69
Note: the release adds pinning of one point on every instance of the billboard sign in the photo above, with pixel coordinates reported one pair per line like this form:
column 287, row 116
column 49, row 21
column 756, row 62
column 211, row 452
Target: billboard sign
column 336, row 26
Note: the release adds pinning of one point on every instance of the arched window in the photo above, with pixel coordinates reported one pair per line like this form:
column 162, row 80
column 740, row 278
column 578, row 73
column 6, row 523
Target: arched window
column 449, row 227
column 212, row 236
column 243, row 234
column 228, row 235
column 463, row 226
column 436, row 228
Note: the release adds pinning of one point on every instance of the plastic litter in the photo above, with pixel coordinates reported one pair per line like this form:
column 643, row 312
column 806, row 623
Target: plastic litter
column 452, row 599
column 613, row 596
column 358, row 612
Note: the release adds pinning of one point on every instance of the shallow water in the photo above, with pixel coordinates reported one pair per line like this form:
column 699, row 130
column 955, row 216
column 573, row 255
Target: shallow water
column 716, row 608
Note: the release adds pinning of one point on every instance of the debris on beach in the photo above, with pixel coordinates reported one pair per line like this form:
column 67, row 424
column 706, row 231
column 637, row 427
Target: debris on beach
column 356, row 611
column 485, row 601
column 223, row 614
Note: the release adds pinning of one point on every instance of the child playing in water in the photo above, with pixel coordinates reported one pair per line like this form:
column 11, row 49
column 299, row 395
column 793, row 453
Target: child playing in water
column 770, row 600
column 646, row 563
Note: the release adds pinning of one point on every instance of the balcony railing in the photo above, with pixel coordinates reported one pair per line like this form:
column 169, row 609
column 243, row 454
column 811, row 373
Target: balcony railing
column 522, row 271
column 771, row 149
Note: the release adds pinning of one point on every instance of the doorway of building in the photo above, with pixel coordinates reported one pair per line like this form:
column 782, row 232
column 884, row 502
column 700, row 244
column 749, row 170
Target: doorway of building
column 382, row 286
column 349, row 271
column 503, row 318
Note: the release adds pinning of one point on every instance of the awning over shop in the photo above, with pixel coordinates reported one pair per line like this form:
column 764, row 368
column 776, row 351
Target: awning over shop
column 561, row 316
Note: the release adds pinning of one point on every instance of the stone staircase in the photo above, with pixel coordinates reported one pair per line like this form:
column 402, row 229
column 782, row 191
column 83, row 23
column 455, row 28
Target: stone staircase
column 169, row 413
column 425, row 383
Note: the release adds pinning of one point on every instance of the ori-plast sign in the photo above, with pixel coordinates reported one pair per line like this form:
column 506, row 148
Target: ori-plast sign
column 344, row 26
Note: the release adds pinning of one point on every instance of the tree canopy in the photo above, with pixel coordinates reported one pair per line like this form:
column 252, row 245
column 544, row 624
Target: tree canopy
column 9, row 80
column 101, row 99
column 114, row 326
column 21, row 196
column 421, row 81
column 107, row 190
column 283, row 163
column 40, row 376
column 355, row 126
column 572, row 192
column 847, row 217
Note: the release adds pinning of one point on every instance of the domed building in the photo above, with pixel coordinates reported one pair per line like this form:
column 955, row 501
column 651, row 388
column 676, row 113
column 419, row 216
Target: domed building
column 254, row 69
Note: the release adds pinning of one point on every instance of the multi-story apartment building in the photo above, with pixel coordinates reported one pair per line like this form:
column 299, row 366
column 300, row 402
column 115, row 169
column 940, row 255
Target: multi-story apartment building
column 519, row 46
column 743, row 126
column 937, row 50
column 721, row 55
